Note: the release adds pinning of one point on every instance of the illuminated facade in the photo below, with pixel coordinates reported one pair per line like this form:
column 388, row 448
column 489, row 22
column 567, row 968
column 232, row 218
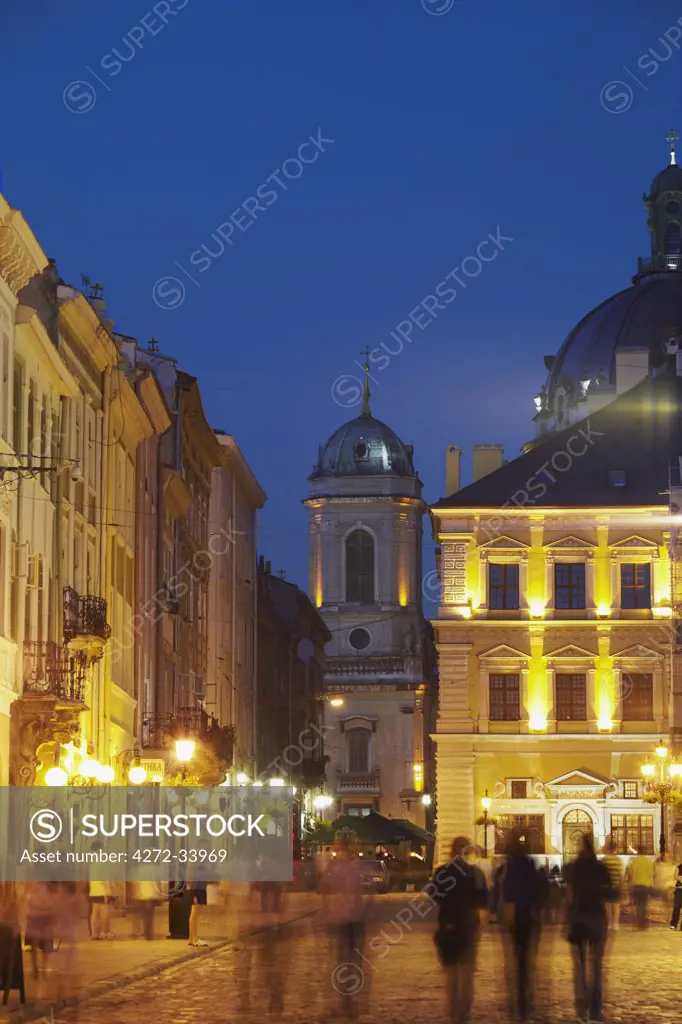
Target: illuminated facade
column 365, row 510
column 236, row 497
column 560, row 590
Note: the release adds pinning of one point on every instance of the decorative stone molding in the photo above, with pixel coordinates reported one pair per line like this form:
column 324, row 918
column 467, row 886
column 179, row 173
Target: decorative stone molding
column 454, row 571
column 16, row 266
column 33, row 724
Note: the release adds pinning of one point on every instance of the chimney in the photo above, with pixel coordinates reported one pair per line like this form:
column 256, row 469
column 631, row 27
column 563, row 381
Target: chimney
column 261, row 563
column 632, row 366
column 486, row 458
column 453, row 455
column 268, row 567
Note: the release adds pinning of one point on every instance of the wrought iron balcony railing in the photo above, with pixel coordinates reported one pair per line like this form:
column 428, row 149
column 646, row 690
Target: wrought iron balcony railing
column 389, row 665
column 161, row 731
column 85, row 618
column 51, row 670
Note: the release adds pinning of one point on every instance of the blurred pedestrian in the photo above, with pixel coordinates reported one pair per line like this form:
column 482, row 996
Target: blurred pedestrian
column 198, row 893
column 614, row 866
column 589, row 889
column 145, row 896
column 346, row 909
column 41, row 914
column 521, row 914
column 642, row 875
column 100, row 898
column 677, row 899
column 460, row 893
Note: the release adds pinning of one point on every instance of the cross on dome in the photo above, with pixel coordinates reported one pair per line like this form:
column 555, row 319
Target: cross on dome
column 672, row 138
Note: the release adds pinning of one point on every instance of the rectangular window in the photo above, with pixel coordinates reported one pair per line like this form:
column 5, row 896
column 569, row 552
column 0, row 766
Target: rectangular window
column 632, row 832
column 638, row 697
column 635, row 585
column 571, row 697
column 531, row 826
column 504, row 586
column 519, row 789
column 569, row 585
column 505, row 700
column 631, row 790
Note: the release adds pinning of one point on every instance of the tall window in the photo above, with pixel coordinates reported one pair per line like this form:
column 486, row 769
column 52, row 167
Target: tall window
column 504, row 586
column 635, row 585
column 505, row 703
column 673, row 239
column 571, row 697
column 530, row 826
column 638, row 697
column 632, row 832
column 358, row 750
column 360, row 567
column 569, row 585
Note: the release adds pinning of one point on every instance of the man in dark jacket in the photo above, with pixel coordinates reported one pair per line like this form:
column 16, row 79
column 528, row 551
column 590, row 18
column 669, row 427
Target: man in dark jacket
column 459, row 891
column 589, row 890
column 522, row 910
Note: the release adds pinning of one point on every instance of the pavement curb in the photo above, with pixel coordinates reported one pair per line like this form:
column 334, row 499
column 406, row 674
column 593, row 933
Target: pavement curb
column 33, row 1013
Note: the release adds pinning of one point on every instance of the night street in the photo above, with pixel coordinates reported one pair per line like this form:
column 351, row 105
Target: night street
column 287, row 976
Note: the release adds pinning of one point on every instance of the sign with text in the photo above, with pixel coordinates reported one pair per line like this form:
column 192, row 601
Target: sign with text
column 145, row 833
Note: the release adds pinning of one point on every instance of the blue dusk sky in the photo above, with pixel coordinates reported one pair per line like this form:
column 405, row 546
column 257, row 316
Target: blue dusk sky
column 133, row 132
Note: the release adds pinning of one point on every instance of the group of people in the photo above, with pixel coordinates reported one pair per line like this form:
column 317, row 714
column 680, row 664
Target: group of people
column 520, row 899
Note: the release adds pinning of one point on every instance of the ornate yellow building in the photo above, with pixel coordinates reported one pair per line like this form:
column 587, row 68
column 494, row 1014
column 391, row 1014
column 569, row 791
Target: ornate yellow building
column 555, row 631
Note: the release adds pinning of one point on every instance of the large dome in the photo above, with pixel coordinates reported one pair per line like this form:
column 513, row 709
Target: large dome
column 364, row 446
column 643, row 316
column 632, row 328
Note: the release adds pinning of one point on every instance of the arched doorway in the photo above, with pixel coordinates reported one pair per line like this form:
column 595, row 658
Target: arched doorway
column 575, row 825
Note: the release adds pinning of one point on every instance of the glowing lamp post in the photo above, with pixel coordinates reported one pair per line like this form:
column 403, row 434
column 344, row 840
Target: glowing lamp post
column 184, row 750
column 485, row 804
column 662, row 785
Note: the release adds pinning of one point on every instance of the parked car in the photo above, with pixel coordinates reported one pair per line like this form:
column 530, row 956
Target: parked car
column 374, row 875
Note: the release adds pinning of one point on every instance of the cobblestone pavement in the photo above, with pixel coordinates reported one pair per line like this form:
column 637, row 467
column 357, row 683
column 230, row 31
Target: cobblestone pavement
column 287, row 976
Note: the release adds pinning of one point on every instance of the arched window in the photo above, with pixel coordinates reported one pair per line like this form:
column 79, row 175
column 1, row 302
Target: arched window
column 358, row 750
column 673, row 239
column 360, row 567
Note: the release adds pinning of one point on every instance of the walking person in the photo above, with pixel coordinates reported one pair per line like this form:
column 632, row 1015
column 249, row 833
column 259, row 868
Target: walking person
column 145, row 895
column 642, row 876
column 198, row 893
column 461, row 895
column 589, row 889
column 677, row 899
column 347, row 909
column 522, row 893
column 614, row 866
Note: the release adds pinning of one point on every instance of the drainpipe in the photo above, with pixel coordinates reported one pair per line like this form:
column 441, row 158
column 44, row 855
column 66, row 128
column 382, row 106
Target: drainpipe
column 100, row 708
column 233, row 660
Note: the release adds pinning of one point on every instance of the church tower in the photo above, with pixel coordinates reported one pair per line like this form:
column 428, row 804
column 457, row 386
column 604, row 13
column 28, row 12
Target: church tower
column 365, row 510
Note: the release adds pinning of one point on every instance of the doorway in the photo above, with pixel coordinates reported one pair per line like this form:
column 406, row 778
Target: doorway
column 575, row 825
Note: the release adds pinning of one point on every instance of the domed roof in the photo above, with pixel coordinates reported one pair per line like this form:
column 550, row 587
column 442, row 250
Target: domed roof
column 669, row 180
column 363, row 447
column 642, row 316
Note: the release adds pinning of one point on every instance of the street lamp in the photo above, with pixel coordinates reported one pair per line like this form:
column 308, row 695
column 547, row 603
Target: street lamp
column 485, row 804
column 184, row 749
column 661, row 784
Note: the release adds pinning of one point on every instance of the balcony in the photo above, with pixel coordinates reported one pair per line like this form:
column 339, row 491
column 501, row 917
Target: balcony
column 159, row 732
column 358, row 782
column 392, row 665
column 85, row 623
column 51, row 670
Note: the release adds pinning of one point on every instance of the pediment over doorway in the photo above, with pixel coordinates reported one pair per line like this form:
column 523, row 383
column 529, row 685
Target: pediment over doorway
column 576, row 784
